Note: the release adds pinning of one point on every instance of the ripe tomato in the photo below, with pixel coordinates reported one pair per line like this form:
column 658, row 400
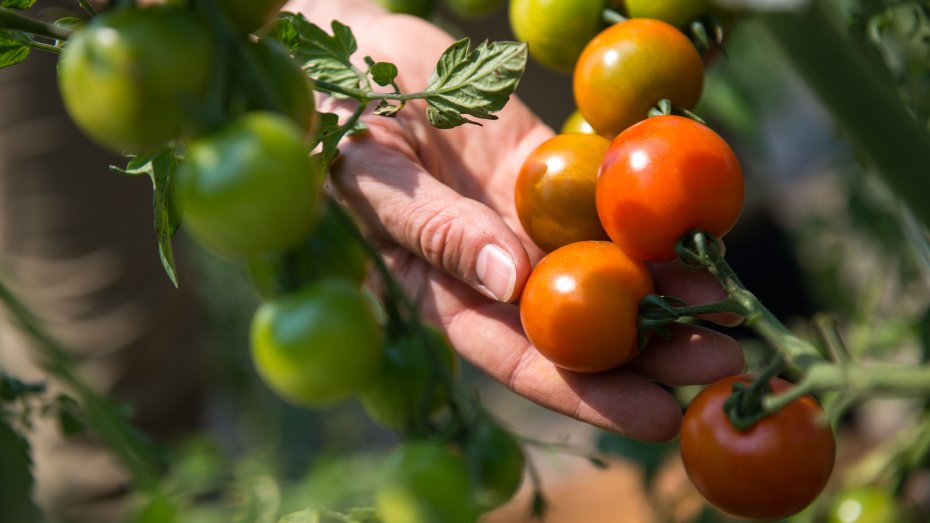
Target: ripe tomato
column 249, row 188
column 495, row 461
column 865, row 505
column 473, row 8
column 580, row 306
column 556, row 30
column 249, row 15
column 318, row 345
column 130, row 78
column 554, row 194
column 425, row 482
column 772, row 470
column 663, row 177
column 629, row 67
column 277, row 85
column 407, row 379
column 678, row 13
column 330, row 251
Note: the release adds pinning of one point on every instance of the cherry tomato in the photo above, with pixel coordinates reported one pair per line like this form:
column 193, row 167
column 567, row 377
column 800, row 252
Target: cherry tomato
column 678, row 13
column 421, row 8
column 663, row 177
column 495, row 461
column 425, row 482
column 318, row 345
column 330, row 251
column 554, row 194
column 865, row 505
column 249, row 15
column 556, row 30
column 130, row 77
column 772, row 470
column 249, row 188
column 278, row 84
column 580, row 306
column 473, row 8
column 629, row 67
column 575, row 123
column 407, row 379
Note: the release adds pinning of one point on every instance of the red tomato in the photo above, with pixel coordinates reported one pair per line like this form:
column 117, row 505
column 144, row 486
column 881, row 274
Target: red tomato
column 555, row 190
column 772, row 470
column 627, row 68
column 580, row 306
column 663, row 177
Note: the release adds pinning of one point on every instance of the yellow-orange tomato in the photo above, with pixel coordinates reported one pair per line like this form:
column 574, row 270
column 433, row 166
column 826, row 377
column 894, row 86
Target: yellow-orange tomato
column 580, row 306
column 629, row 67
column 555, row 190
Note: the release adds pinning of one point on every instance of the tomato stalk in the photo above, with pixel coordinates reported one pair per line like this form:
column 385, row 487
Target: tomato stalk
column 612, row 16
column 10, row 19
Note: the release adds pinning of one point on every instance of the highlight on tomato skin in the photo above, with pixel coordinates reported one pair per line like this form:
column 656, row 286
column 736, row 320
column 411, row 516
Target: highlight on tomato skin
column 580, row 306
column 663, row 177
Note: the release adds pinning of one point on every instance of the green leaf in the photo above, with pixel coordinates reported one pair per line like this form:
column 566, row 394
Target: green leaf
column 283, row 30
column 326, row 58
column 16, row 480
column 17, row 4
column 304, row 516
column 328, row 135
column 11, row 51
column 474, row 83
column 160, row 166
column 388, row 109
column 384, row 73
column 11, row 389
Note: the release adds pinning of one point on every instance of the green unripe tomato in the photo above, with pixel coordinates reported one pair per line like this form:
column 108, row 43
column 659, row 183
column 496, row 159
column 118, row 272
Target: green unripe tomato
column 279, row 84
column 556, row 30
column 318, row 345
column 575, row 123
column 134, row 79
column 473, row 8
column 250, row 187
column 408, row 378
column 678, row 13
column 495, row 462
column 421, row 8
column 865, row 505
column 247, row 16
column 425, row 482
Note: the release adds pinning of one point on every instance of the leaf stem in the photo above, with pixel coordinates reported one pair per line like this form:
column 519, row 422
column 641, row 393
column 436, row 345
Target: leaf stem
column 10, row 19
column 87, row 7
column 29, row 42
column 611, row 16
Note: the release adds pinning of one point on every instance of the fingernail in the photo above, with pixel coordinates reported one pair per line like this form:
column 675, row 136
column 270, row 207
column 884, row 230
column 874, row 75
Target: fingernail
column 496, row 272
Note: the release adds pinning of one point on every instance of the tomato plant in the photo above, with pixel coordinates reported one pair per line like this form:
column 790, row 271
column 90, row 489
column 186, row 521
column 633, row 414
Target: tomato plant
column 249, row 15
column 425, row 482
column 495, row 463
column 318, row 345
column 629, row 67
column 579, row 306
column 772, row 470
column 131, row 78
column 865, row 505
column 663, row 177
column 250, row 187
column 556, row 30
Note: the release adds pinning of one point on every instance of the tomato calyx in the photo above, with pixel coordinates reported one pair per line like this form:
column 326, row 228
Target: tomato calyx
column 745, row 406
column 657, row 312
column 665, row 107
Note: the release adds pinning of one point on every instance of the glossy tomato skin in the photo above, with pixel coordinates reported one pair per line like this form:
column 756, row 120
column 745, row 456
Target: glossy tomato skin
column 629, row 67
column 556, row 30
column 278, row 85
column 318, row 345
column 249, row 15
column 425, row 482
column 678, row 13
column 866, row 505
column 772, row 470
column 575, row 123
column 663, row 177
column 554, row 194
column 130, row 77
column 580, row 305
column 250, row 187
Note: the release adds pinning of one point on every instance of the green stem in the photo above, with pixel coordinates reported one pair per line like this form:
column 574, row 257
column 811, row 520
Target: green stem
column 610, row 17
column 29, row 42
column 10, row 19
column 87, row 7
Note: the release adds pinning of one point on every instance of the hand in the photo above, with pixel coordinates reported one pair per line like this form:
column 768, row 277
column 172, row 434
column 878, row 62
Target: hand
column 442, row 204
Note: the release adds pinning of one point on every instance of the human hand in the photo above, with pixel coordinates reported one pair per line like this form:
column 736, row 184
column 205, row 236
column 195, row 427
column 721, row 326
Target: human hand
column 441, row 204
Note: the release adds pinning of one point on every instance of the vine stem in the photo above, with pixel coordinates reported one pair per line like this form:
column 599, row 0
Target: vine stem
column 87, row 7
column 366, row 96
column 10, row 19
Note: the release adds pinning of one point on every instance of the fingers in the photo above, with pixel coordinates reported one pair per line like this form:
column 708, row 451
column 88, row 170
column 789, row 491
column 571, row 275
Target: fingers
column 694, row 287
column 383, row 180
column 691, row 356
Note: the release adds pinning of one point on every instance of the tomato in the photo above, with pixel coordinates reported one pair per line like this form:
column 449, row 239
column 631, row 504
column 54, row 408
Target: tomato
column 663, row 177
column 249, row 15
column 249, row 188
column 865, row 505
column 425, row 482
column 629, row 67
column 407, row 385
column 772, row 470
column 575, row 123
column 318, row 345
column 132, row 78
column 554, row 194
column 278, row 84
column 678, row 13
column 495, row 462
column 556, row 30
column 473, row 8
column 330, row 251
column 421, row 8
column 580, row 305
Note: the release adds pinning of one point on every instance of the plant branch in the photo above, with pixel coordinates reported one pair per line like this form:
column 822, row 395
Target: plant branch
column 10, row 19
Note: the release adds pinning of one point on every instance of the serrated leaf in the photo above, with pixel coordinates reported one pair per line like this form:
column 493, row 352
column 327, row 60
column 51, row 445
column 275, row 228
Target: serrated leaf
column 474, row 83
column 283, row 30
column 17, row 4
column 387, row 109
column 16, row 480
column 325, row 57
column 328, row 135
column 384, row 73
column 11, row 51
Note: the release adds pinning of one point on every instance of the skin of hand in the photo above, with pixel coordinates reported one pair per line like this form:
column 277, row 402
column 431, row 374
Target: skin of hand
column 440, row 202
